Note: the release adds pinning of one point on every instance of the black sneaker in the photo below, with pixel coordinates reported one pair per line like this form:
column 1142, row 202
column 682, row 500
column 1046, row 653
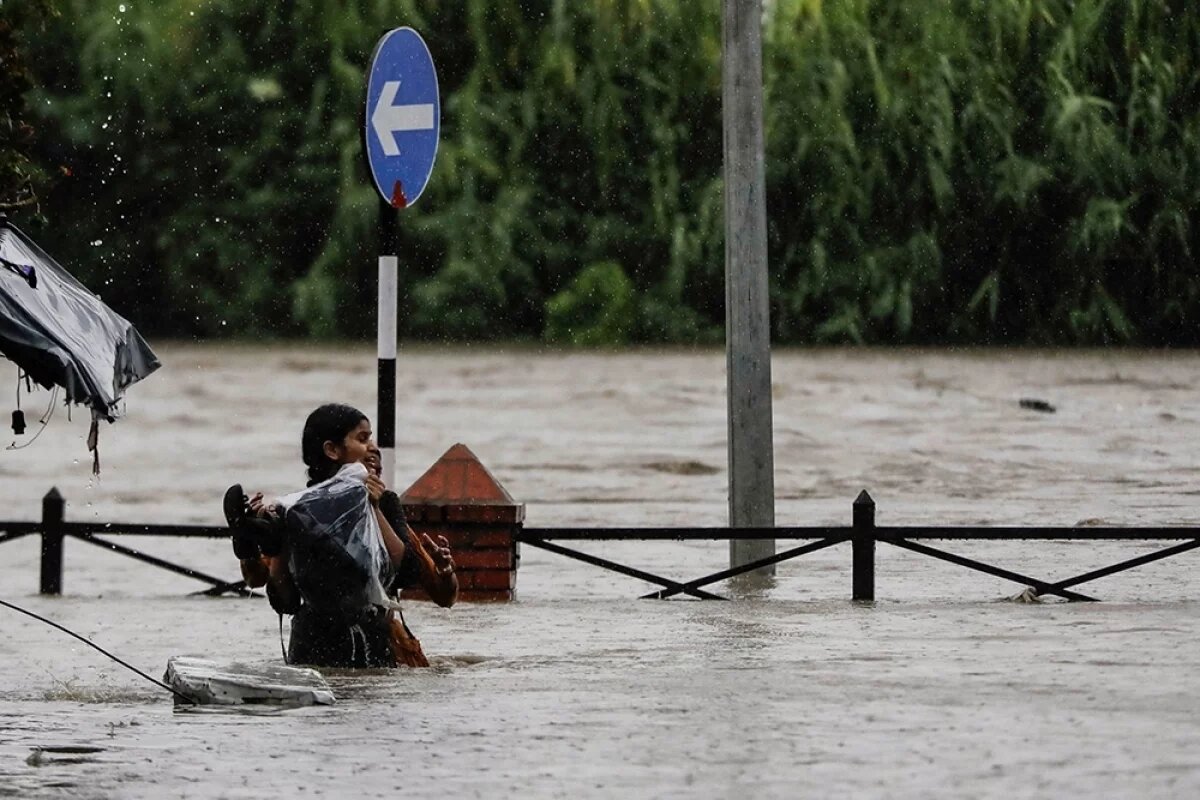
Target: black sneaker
column 237, row 515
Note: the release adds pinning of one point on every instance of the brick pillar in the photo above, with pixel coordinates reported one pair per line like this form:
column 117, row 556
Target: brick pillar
column 460, row 499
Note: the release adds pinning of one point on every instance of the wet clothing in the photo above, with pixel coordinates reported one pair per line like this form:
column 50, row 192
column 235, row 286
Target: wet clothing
column 327, row 634
column 328, row 640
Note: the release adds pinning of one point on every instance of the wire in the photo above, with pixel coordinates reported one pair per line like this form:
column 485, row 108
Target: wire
column 89, row 643
column 44, row 421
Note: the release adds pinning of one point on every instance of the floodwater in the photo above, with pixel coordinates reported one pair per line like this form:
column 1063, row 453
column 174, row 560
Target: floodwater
column 941, row 687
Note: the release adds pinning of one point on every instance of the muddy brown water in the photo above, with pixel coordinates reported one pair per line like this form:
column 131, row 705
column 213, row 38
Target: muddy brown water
column 941, row 687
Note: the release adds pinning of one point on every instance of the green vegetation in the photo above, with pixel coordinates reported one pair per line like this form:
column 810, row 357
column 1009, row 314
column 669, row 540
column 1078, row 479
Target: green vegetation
column 996, row 171
column 22, row 180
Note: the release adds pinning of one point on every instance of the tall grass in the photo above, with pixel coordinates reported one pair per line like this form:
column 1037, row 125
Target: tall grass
column 997, row 170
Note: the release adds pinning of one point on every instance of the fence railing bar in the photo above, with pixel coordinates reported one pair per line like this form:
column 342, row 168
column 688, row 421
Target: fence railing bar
column 145, row 529
column 1124, row 565
column 795, row 552
column 1016, row 577
column 881, row 533
column 621, row 568
column 1085, row 534
column 676, row 534
column 155, row 561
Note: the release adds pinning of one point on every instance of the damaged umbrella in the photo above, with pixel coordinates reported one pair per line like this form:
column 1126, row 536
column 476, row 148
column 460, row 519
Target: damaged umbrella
column 59, row 334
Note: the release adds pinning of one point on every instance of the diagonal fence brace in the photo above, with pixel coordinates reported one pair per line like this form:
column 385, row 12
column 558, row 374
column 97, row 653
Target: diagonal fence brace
column 8, row 537
column 1041, row 586
column 795, row 552
column 1124, row 565
column 236, row 586
column 217, row 583
column 621, row 568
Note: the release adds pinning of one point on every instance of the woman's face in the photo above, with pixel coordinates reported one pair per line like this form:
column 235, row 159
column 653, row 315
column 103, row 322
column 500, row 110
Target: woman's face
column 358, row 446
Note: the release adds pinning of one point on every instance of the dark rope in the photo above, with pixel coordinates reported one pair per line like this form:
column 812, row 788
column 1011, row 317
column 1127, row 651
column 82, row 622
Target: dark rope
column 101, row 649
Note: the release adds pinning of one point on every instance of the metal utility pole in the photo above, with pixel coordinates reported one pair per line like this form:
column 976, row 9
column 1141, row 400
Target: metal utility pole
column 747, row 313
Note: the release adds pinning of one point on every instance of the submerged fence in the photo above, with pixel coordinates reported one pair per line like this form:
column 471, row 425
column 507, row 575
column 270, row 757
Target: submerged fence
column 54, row 530
column 863, row 535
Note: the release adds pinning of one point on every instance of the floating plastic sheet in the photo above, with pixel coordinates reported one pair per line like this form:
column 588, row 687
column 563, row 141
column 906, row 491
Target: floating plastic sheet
column 211, row 683
column 60, row 333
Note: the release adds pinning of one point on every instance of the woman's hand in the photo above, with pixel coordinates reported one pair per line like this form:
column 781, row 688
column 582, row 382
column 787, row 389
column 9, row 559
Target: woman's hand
column 439, row 552
column 375, row 488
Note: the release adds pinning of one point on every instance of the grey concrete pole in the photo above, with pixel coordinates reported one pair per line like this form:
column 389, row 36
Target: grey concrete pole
column 747, row 312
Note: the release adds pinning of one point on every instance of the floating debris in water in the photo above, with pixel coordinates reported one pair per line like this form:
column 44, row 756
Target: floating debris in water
column 683, row 468
column 1034, row 404
column 1028, row 596
column 210, row 683
column 42, row 756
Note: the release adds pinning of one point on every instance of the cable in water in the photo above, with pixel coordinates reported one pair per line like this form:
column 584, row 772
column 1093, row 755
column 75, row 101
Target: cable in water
column 89, row 643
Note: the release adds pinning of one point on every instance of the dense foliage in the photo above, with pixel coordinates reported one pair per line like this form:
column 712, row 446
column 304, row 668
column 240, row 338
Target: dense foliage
column 952, row 170
column 22, row 180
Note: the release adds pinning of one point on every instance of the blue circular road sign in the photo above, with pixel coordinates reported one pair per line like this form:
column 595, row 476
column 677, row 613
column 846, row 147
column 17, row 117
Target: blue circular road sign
column 403, row 116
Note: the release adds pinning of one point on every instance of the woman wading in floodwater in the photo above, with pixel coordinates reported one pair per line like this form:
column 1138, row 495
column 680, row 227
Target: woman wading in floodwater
column 324, row 632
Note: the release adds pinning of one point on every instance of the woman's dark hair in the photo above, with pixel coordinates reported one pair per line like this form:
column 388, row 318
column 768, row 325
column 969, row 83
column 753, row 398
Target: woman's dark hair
column 329, row 423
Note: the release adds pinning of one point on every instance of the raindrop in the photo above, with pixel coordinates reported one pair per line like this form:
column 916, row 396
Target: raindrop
column 97, row 243
column 121, row 8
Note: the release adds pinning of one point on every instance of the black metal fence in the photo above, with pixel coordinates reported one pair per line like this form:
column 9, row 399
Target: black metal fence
column 54, row 530
column 863, row 535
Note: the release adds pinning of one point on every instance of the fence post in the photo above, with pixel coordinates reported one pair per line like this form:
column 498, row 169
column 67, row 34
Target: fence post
column 53, row 512
column 864, row 547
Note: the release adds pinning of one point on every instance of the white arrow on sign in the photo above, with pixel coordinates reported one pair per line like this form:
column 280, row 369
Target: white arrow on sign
column 388, row 120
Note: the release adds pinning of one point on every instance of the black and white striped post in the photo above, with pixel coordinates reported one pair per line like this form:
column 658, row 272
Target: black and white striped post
column 389, row 288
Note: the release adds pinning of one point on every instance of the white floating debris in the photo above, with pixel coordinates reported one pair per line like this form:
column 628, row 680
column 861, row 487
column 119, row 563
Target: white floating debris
column 209, row 682
column 1030, row 595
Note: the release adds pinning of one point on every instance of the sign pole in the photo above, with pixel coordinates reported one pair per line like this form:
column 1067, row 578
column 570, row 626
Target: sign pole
column 401, row 124
column 389, row 289
column 747, row 310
